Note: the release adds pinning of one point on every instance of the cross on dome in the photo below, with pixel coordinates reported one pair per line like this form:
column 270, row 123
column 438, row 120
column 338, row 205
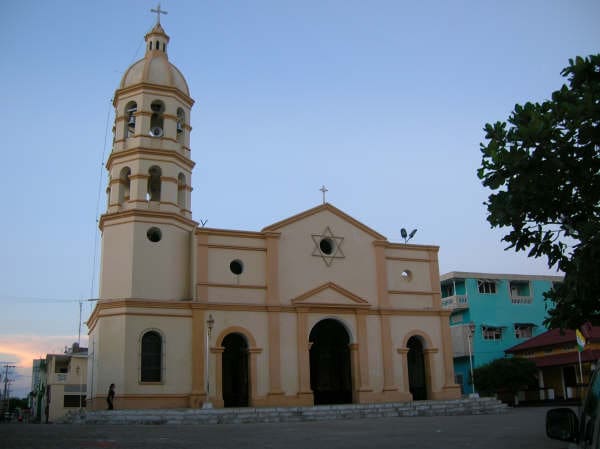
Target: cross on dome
column 158, row 12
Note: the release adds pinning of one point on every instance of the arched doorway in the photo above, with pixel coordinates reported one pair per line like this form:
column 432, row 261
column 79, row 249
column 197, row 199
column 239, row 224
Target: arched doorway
column 235, row 371
column 416, row 369
column 330, row 378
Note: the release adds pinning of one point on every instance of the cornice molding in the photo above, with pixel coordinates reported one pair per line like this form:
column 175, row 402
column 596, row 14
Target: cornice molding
column 146, row 88
column 355, row 300
column 325, row 207
column 134, row 214
column 114, row 156
column 135, row 304
column 231, row 233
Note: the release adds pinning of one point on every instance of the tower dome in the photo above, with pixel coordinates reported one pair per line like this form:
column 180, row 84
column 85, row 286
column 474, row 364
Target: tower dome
column 154, row 67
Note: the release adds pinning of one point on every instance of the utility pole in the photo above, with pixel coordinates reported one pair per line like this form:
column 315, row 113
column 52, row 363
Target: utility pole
column 79, row 334
column 6, row 392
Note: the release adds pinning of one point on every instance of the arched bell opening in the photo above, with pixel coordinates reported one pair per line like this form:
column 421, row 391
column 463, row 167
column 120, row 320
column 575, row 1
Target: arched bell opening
column 330, row 372
column 180, row 123
column 124, row 184
column 154, row 183
column 130, row 119
column 181, row 190
column 157, row 119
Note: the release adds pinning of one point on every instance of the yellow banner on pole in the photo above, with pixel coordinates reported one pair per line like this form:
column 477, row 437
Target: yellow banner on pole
column 580, row 340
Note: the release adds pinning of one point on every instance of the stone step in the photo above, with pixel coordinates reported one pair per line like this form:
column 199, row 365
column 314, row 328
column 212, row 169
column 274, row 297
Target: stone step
column 472, row 406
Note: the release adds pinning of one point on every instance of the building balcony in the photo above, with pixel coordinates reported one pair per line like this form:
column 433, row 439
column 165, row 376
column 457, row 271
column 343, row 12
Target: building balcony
column 455, row 302
column 517, row 299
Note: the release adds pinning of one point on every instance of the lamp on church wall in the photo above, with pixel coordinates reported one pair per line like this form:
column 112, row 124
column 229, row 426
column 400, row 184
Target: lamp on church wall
column 406, row 236
column 209, row 326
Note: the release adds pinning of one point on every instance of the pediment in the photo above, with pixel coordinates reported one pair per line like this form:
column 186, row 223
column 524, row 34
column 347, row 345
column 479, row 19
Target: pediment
column 319, row 209
column 330, row 295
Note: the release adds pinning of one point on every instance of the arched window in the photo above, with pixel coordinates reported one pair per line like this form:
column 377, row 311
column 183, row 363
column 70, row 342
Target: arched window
column 181, row 190
column 154, row 174
column 156, row 120
column 124, row 184
column 130, row 111
column 180, row 123
column 151, row 363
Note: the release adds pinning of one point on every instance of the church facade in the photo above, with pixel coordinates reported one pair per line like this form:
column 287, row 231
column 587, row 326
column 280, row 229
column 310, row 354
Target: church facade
column 315, row 309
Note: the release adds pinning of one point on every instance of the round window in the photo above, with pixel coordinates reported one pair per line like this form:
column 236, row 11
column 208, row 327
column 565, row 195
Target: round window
column 154, row 234
column 236, row 266
column 326, row 246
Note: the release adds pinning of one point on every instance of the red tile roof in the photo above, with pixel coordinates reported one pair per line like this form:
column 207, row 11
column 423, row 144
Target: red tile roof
column 567, row 358
column 552, row 338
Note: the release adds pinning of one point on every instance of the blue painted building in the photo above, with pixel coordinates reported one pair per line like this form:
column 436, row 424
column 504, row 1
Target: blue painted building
column 491, row 313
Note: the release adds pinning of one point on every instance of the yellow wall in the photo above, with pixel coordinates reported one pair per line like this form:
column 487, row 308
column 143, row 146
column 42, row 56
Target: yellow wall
column 382, row 293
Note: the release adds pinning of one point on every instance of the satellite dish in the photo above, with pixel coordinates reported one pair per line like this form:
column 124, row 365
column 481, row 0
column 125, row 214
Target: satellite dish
column 156, row 131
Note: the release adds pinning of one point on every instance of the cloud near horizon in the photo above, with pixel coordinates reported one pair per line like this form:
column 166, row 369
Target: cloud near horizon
column 21, row 350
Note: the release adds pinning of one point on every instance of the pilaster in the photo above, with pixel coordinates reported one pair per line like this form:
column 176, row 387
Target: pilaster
column 198, row 394
column 201, row 267
column 303, row 356
column 363, row 351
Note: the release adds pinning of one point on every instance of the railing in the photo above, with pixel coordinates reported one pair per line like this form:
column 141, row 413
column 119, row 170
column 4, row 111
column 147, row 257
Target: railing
column 521, row 299
column 455, row 302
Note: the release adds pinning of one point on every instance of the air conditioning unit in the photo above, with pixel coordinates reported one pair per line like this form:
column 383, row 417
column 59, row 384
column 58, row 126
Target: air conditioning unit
column 156, row 131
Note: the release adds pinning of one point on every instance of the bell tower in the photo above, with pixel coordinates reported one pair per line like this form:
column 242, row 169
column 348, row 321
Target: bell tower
column 147, row 230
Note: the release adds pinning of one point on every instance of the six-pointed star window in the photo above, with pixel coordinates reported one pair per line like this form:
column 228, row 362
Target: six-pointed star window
column 328, row 246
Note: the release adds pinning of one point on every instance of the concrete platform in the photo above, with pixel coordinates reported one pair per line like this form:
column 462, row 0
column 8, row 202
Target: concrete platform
column 478, row 406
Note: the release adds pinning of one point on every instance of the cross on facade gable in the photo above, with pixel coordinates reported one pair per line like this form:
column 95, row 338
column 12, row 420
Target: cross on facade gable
column 324, row 190
column 158, row 12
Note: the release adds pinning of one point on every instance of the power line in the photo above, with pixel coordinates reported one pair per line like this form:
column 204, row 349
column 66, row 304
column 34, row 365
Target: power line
column 99, row 194
column 38, row 300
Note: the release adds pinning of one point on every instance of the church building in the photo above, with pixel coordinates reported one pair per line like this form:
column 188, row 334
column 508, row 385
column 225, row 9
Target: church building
column 317, row 308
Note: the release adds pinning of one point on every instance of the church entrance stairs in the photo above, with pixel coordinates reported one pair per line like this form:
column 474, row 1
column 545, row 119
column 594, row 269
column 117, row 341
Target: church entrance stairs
column 291, row 414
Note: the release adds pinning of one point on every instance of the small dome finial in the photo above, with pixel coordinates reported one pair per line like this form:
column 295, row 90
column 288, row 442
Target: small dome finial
column 158, row 12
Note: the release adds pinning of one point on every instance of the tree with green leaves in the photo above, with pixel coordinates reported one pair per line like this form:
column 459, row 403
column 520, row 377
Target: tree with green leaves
column 507, row 375
column 544, row 169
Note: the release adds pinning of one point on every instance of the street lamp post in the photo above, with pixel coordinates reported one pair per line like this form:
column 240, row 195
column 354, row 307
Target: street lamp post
column 209, row 326
column 469, row 340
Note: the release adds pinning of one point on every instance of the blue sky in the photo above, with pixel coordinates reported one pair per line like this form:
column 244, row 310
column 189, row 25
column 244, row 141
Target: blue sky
column 381, row 101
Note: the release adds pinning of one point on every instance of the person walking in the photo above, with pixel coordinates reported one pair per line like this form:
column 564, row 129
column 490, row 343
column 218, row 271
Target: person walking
column 111, row 396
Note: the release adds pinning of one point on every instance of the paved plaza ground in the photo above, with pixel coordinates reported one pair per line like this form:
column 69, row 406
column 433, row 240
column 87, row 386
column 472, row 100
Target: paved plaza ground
column 519, row 428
